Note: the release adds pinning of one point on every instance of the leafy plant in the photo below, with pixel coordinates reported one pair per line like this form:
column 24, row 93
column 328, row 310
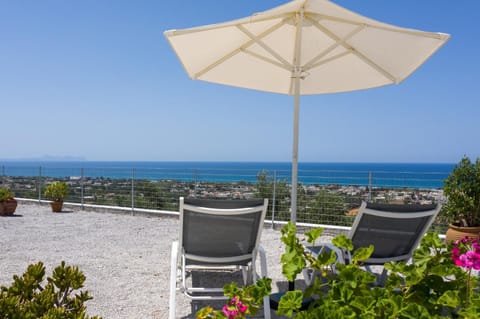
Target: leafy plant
column 5, row 193
column 431, row 286
column 29, row 297
column 242, row 301
column 462, row 188
column 56, row 191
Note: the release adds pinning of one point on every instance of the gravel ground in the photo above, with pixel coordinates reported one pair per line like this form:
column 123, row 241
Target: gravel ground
column 125, row 258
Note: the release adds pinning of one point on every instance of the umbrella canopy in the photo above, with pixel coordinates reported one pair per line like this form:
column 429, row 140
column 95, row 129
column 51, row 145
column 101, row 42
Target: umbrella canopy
column 300, row 48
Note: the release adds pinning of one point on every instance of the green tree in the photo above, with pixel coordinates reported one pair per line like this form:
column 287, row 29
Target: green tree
column 328, row 207
column 265, row 186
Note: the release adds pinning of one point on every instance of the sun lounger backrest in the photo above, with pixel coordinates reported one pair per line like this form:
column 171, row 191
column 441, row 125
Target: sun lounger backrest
column 221, row 231
column 393, row 230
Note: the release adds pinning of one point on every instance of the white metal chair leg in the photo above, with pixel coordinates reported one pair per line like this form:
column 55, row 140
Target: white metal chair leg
column 264, row 273
column 173, row 280
column 247, row 274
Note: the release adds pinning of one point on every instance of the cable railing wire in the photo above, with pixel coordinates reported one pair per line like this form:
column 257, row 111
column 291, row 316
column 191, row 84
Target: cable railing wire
column 324, row 197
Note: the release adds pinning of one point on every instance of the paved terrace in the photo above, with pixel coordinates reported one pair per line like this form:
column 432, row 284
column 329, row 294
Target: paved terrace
column 125, row 258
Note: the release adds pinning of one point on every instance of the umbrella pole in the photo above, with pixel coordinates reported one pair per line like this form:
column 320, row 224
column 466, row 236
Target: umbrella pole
column 297, row 75
column 293, row 216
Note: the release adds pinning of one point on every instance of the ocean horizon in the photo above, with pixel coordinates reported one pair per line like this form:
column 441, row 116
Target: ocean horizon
column 414, row 175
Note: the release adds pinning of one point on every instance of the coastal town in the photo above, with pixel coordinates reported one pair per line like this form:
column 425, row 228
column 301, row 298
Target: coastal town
column 331, row 200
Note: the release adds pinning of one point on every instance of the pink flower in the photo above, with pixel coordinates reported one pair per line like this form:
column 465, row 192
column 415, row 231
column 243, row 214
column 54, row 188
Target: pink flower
column 225, row 310
column 235, row 309
column 229, row 312
column 243, row 308
column 466, row 253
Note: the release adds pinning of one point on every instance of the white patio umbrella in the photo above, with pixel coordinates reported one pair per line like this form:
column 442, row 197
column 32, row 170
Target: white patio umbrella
column 303, row 47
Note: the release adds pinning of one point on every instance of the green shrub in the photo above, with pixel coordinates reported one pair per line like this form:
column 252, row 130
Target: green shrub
column 56, row 191
column 5, row 193
column 462, row 188
column 30, row 297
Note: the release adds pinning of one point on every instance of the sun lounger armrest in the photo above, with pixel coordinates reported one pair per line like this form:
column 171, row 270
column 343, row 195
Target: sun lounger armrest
column 316, row 250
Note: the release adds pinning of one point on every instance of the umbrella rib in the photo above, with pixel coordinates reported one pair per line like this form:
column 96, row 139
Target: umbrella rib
column 263, row 58
column 258, row 41
column 313, row 61
column 354, row 51
column 434, row 35
column 258, row 17
column 239, row 49
column 337, row 56
column 375, row 66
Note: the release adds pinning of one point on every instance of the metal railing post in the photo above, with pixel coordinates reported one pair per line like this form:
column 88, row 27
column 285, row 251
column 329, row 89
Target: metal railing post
column 274, row 197
column 39, row 183
column 370, row 179
column 82, row 186
column 133, row 190
column 195, row 180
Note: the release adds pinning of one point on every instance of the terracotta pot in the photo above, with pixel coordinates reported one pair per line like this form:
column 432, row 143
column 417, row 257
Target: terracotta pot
column 455, row 232
column 56, row 206
column 9, row 206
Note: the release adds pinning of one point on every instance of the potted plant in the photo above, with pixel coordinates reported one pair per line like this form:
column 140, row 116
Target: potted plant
column 8, row 204
column 462, row 189
column 56, row 192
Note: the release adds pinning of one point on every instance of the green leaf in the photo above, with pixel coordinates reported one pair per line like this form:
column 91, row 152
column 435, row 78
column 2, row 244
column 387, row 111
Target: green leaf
column 324, row 259
column 362, row 253
column 413, row 274
column 450, row 299
column 393, row 281
column 415, row 311
column 363, row 303
column 262, row 288
column 423, row 255
column 289, row 303
column 342, row 241
column 231, row 290
column 313, row 235
column 346, row 313
column 293, row 260
column 389, row 307
column 292, row 267
column 433, row 240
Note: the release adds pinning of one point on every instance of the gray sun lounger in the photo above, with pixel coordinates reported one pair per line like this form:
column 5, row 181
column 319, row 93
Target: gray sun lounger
column 394, row 230
column 217, row 234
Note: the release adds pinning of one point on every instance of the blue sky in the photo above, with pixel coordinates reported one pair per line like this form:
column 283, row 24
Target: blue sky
column 98, row 80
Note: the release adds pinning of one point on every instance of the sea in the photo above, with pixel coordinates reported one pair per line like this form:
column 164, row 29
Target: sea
column 392, row 175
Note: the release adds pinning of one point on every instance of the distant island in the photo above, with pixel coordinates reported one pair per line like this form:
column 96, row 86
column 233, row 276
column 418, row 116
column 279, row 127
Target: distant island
column 47, row 158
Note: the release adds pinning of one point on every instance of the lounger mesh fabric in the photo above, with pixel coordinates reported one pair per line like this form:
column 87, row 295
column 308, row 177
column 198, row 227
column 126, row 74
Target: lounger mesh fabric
column 233, row 235
column 394, row 231
column 391, row 237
